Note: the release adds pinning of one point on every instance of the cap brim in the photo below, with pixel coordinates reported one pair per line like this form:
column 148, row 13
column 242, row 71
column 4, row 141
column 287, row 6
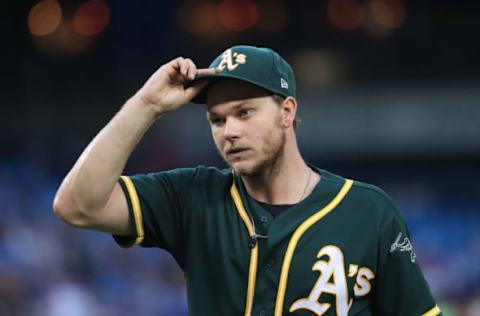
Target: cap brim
column 201, row 97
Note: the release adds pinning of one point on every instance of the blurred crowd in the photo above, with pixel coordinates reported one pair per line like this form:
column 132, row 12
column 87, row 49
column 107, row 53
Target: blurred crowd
column 49, row 268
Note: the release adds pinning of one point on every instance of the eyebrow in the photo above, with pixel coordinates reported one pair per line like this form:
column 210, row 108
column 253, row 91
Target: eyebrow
column 235, row 108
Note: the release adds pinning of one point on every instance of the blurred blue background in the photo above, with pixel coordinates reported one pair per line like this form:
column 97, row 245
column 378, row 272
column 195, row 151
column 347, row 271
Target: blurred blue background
column 389, row 93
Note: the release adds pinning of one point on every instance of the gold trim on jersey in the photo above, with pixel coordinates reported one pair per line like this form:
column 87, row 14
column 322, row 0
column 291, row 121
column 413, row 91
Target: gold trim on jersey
column 137, row 211
column 296, row 237
column 433, row 312
column 252, row 270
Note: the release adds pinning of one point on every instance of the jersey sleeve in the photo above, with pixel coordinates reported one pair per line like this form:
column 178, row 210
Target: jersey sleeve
column 401, row 288
column 157, row 204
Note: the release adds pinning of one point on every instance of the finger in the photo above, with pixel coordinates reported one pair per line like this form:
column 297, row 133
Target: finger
column 192, row 69
column 184, row 67
column 192, row 91
column 174, row 67
column 176, row 63
column 208, row 71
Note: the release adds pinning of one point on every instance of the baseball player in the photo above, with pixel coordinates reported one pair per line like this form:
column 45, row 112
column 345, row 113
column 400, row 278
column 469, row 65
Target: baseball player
column 271, row 235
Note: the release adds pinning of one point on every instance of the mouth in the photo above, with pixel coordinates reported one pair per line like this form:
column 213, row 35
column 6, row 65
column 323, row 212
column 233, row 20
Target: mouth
column 236, row 152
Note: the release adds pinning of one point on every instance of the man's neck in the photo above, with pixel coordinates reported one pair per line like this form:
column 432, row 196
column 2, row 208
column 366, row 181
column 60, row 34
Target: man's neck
column 287, row 182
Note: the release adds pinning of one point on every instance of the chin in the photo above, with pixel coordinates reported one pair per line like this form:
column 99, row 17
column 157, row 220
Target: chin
column 247, row 168
column 243, row 168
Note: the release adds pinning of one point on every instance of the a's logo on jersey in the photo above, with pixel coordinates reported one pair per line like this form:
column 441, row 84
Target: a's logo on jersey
column 403, row 246
column 231, row 60
column 333, row 280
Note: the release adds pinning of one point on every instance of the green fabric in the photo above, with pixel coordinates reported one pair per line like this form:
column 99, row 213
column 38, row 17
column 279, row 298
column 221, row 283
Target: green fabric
column 257, row 65
column 190, row 213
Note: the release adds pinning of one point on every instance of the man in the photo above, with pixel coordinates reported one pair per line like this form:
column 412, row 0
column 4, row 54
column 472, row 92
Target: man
column 272, row 235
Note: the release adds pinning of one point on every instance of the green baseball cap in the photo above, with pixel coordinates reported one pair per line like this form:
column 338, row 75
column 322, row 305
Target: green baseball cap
column 260, row 66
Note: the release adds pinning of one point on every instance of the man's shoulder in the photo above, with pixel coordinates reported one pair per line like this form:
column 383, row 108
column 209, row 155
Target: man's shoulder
column 190, row 175
column 365, row 195
column 188, row 183
column 371, row 192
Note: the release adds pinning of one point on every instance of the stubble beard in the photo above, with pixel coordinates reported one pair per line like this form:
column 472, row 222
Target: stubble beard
column 272, row 156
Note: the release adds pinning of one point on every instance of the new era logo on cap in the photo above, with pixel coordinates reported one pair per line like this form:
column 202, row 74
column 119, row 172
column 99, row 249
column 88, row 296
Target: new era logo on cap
column 283, row 83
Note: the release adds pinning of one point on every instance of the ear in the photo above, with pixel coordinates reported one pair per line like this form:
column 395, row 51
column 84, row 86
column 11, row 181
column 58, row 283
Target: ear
column 289, row 111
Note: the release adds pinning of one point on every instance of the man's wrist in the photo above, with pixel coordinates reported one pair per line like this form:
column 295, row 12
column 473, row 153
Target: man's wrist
column 144, row 107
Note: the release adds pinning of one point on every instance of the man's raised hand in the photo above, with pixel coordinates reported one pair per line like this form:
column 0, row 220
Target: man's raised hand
column 165, row 90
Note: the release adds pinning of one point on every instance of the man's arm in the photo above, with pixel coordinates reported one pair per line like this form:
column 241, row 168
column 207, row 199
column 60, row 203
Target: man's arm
column 90, row 195
column 400, row 287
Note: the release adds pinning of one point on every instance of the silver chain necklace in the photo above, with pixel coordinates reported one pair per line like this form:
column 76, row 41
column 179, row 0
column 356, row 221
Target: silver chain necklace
column 306, row 185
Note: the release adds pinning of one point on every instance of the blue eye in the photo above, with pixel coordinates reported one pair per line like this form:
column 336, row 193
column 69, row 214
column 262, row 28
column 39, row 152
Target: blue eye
column 245, row 113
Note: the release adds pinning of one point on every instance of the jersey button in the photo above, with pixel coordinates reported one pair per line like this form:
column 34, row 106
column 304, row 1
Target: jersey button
column 264, row 219
column 262, row 313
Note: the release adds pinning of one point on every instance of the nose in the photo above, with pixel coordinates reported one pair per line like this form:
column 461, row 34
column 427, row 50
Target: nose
column 232, row 129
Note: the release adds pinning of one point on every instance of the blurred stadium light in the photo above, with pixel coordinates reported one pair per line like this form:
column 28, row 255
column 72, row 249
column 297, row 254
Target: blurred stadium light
column 237, row 15
column 200, row 18
column 62, row 32
column 91, row 17
column 388, row 13
column 44, row 17
column 345, row 14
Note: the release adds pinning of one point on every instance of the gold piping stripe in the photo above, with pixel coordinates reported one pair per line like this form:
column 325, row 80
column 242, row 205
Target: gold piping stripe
column 433, row 312
column 252, row 270
column 296, row 237
column 137, row 211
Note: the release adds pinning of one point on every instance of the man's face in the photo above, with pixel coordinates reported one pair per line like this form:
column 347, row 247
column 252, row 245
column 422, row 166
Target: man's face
column 246, row 126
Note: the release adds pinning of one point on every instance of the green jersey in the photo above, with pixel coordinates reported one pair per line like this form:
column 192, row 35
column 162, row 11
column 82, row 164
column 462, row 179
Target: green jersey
column 343, row 250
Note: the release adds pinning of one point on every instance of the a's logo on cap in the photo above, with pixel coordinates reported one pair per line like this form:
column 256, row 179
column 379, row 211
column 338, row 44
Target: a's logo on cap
column 228, row 58
column 283, row 83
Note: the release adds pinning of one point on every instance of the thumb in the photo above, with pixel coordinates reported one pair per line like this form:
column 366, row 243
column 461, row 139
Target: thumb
column 193, row 90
